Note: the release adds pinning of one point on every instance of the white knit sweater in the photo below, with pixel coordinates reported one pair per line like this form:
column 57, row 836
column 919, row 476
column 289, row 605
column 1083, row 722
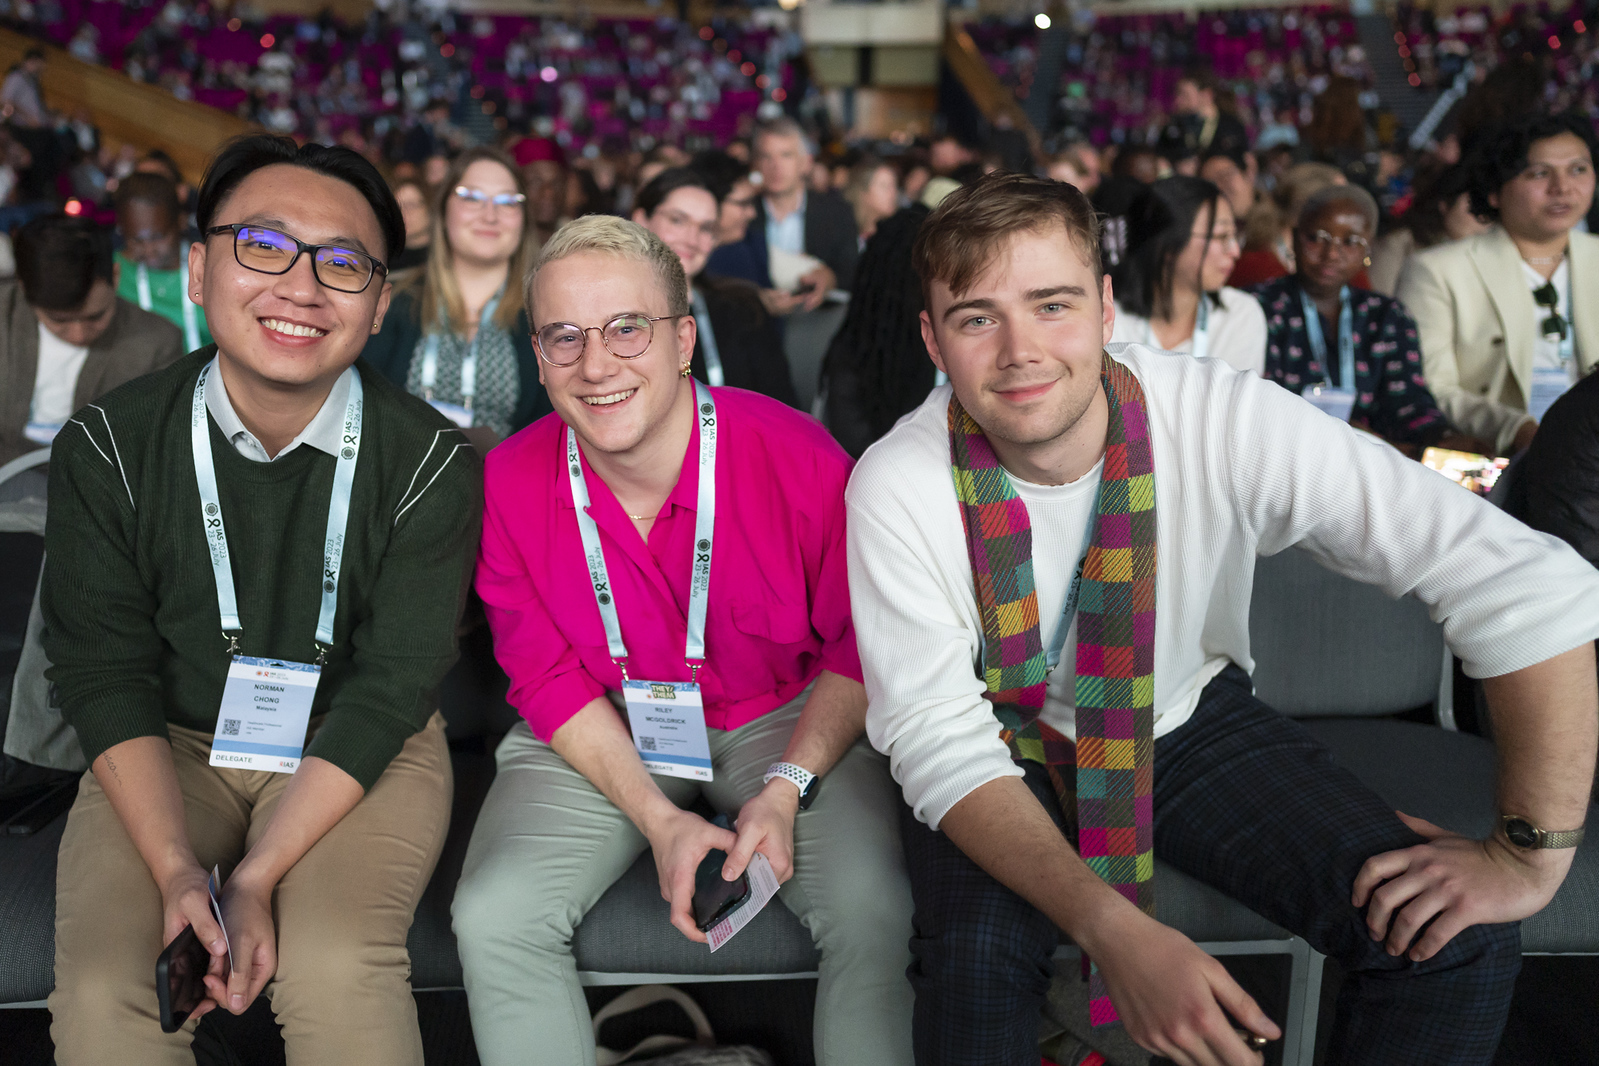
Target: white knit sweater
column 1242, row 468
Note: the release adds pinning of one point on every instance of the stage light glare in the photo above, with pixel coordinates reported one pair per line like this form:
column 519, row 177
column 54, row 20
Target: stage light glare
column 1041, row 20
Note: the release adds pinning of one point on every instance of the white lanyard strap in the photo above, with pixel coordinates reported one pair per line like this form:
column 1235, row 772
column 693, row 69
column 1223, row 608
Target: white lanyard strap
column 430, row 357
column 1057, row 643
column 704, row 530
column 216, row 535
column 707, row 335
column 1202, row 326
column 191, row 318
column 1346, row 338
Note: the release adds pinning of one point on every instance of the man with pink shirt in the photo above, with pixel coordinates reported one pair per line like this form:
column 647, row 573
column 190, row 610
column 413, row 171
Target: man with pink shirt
column 657, row 542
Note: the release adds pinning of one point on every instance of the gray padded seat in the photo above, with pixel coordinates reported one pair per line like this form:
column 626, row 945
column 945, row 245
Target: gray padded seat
column 28, row 914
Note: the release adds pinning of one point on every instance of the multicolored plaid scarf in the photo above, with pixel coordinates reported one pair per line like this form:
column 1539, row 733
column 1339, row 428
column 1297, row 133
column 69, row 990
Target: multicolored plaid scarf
column 1110, row 797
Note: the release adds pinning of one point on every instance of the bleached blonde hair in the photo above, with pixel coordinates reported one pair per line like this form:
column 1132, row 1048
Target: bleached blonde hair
column 611, row 235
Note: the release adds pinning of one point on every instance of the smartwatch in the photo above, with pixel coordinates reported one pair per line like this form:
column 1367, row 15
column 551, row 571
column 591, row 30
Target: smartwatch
column 807, row 783
column 1523, row 834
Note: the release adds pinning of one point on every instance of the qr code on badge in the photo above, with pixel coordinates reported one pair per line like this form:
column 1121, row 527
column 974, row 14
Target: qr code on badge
column 646, row 743
column 230, row 727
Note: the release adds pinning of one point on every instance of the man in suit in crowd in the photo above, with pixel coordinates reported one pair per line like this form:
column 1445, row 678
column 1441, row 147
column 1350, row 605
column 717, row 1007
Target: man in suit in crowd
column 1503, row 333
column 793, row 220
column 66, row 338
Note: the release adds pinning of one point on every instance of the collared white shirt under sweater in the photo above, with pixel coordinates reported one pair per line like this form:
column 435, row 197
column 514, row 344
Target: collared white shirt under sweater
column 1243, row 467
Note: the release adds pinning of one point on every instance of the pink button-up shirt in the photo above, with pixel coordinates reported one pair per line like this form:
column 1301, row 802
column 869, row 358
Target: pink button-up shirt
column 779, row 599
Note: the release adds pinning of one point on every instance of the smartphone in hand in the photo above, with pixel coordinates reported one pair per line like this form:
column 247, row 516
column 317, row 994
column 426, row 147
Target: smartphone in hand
column 714, row 896
column 180, row 978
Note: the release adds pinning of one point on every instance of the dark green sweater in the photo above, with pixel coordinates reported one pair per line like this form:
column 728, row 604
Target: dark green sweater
column 130, row 603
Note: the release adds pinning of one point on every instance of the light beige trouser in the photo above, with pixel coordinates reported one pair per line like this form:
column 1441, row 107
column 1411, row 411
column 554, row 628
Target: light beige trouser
column 342, row 991
column 548, row 844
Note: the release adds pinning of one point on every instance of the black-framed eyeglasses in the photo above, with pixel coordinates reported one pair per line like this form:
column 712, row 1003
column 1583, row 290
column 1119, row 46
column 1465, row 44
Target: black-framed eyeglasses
column 625, row 336
column 270, row 251
column 1548, row 298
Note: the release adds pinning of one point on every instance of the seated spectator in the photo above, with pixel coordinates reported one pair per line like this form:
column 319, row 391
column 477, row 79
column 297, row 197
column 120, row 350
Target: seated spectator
column 416, row 205
column 876, row 367
column 544, row 173
column 66, row 339
column 1269, row 229
column 1556, row 486
column 32, row 125
column 153, row 266
column 1170, row 285
column 791, row 219
column 1234, row 175
column 737, row 193
column 1203, row 121
column 1501, row 334
column 1076, row 164
column 1338, row 133
column 1053, row 737
column 623, row 477
column 1440, row 211
column 1353, row 353
column 456, row 334
column 872, row 191
column 328, row 805
column 736, row 342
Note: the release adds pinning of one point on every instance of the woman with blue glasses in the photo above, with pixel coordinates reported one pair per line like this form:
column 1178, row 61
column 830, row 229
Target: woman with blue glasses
column 456, row 334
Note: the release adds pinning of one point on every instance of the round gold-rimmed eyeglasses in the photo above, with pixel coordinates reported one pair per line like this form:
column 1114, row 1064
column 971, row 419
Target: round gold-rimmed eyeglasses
column 625, row 336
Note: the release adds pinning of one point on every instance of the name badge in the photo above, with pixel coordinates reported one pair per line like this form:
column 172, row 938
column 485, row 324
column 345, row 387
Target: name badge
column 1336, row 402
column 668, row 720
column 461, row 416
column 42, row 432
column 1548, row 385
column 266, row 710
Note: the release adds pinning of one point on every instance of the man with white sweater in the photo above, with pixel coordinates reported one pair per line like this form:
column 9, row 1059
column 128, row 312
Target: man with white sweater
column 1058, row 708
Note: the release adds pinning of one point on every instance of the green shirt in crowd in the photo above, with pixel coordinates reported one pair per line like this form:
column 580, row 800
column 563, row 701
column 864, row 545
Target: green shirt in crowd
column 165, row 292
column 129, row 599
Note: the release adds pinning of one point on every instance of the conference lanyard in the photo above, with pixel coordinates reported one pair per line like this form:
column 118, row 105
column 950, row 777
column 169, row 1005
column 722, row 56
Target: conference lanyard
column 1346, row 339
column 430, row 365
column 713, row 355
column 1202, row 327
column 1057, row 643
column 704, row 529
column 191, row 318
column 216, row 534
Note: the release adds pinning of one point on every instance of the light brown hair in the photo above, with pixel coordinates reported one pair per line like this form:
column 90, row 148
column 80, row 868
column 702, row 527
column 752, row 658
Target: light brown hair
column 439, row 289
column 962, row 237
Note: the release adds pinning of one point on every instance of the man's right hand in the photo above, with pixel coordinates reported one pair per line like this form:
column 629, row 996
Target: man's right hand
column 186, row 900
column 1174, row 999
column 681, row 839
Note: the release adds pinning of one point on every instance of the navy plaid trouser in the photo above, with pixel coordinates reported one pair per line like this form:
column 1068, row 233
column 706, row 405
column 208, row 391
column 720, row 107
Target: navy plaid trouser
column 1248, row 801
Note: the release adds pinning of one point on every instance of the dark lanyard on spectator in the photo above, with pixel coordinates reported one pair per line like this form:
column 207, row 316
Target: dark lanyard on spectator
column 205, row 475
column 1346, row 338
column 699, row 590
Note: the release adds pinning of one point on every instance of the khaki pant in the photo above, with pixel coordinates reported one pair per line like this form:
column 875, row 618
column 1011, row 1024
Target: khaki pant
column 548, row 844
column 342, row 990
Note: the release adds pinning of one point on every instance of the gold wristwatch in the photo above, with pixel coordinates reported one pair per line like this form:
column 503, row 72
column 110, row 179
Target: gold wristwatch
column 1523, row 834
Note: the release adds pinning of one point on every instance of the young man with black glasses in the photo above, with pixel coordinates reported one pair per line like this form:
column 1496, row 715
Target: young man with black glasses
column 256, row 562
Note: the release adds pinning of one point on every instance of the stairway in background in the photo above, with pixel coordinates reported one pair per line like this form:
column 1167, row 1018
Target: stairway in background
column 1409, row 105
column 1042, row 100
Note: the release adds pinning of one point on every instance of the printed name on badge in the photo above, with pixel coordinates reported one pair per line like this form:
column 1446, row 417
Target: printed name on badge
column 668, row 722
column 266, row 709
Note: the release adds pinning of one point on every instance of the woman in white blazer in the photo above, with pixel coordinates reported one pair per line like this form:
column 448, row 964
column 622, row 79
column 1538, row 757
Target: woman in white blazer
column 1509, row 319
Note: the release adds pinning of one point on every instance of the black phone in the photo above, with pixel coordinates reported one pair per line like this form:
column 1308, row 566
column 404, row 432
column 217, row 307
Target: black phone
column 180, row 978
column 714, row 896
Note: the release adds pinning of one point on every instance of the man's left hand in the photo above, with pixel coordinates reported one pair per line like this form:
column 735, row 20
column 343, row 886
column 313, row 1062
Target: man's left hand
column 815, row 286
column 1454, row 882
column 766, row 824
column 247, row 909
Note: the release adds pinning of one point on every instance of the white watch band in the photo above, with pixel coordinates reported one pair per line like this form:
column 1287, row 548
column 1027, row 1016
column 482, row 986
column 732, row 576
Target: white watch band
column 800, row 776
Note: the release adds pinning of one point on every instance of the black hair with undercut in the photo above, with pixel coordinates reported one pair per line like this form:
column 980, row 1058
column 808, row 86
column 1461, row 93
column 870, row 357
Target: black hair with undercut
column 1502, row 155
column 1160, row 223
column 152, row 189
column 243, row 156
column 59, row 258
column 668, row 181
